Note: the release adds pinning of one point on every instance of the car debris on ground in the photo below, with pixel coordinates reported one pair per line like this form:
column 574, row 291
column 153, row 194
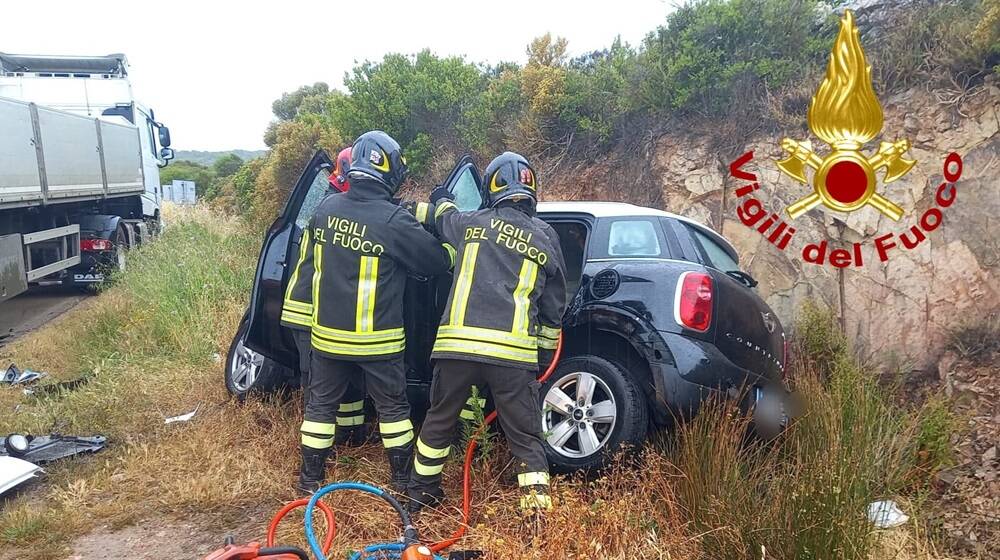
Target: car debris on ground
column 885, row 514
column 14, row 471
column 16, row 376
column 183, row 417
column 43, row 449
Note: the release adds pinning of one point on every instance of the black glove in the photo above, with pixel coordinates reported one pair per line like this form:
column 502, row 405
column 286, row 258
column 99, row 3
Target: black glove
column 441, row 193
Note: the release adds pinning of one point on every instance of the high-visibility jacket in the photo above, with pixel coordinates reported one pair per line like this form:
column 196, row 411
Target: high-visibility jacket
column 508, row 292
column 362, row 246
column 297, row 307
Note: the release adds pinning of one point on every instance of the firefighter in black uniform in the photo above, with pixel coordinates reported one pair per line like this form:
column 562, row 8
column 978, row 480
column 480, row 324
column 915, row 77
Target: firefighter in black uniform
column 296, row 314
column 502, row 322
column 363, row 246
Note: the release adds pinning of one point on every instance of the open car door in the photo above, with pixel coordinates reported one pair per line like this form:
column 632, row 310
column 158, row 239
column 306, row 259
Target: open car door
column 277, row 259
column 465, row 183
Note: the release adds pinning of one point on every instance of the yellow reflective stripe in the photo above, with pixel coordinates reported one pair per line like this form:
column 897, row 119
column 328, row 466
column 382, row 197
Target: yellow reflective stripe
column 317, row 443
column 367, row 281
column 398, row 441
column 348, row 421
column 297, row 306
column 547, row 344
column 451, row 253
column 536, row 501
column 549, row 332
column 317, row 276
column 427, row 470
column 533, row 478
column 349, row 349
column 351, row 406
column 303, row 246
column 463, row 286
column 432, row 452
column 522, row 295
column 442, row 207
column 526, row 342
column 338, row 335
column 321, row 428
column 394, row 427
column 296, row 318
column 486, row 349
column 422, row 212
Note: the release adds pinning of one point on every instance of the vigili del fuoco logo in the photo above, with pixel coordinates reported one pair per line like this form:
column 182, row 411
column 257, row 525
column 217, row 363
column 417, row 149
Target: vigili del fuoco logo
column 845, row 114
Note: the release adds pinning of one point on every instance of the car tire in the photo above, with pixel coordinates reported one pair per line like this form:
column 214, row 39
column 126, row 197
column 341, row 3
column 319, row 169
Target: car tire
column 584, row 437
column 121, row 245
column 249, row 372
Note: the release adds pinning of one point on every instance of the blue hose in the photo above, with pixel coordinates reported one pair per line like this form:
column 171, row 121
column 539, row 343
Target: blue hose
column 389, row 549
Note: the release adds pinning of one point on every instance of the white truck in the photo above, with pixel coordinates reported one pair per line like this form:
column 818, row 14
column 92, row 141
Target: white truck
column 79, row 169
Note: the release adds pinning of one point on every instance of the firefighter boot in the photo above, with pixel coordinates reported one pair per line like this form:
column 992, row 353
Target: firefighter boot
column 427, row 496
column 400, row 463
column 313, row 470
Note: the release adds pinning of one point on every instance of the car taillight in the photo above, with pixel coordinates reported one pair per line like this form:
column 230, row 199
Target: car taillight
column 693, row 302
column 95, row 245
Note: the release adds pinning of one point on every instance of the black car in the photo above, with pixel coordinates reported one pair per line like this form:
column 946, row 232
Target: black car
column 659, row 317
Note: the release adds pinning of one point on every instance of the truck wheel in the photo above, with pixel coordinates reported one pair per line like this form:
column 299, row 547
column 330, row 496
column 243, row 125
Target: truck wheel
column 590, row 409
column 120, row 242
column 250, row 372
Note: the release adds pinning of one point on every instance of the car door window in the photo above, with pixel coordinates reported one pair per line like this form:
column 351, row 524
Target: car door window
column 319, row 188
column 466, row 191
column 633, row 238
column 717, row 256
column 573, row 242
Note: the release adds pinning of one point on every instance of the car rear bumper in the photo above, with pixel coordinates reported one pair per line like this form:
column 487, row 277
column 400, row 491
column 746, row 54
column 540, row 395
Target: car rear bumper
column 691, row 371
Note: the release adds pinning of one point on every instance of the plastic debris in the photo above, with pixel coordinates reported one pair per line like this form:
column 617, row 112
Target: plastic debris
column 43, row 449
column 885, row 514
column 183, row 417
column 56, row 388
column 14, row 471
column 15, row 376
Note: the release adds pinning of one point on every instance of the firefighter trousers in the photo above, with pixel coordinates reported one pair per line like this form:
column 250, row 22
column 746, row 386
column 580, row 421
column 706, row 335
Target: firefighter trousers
column 515, row 395
column 329, row 382
column 351, row 412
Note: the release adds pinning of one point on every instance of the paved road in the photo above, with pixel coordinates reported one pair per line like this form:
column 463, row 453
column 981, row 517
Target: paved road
column 34, row 308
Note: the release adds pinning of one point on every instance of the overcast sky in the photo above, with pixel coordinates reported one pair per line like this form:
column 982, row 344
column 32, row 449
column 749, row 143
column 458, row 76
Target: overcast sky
column 210, row 69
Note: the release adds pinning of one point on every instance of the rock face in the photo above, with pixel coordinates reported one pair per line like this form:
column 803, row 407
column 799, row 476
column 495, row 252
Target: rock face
column 898, row 311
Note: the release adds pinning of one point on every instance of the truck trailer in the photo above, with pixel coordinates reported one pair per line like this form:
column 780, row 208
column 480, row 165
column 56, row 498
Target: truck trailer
column 79, row 170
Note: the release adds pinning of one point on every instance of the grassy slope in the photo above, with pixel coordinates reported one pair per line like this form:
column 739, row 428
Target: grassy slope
column 155, row 343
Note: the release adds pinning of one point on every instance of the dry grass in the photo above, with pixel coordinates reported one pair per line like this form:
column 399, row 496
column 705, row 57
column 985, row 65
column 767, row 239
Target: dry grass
column 154, row 343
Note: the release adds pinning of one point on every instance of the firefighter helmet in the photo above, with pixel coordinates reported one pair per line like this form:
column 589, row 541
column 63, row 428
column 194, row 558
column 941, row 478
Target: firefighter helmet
column 510, row 177
column 338, row 179
column 377, row 156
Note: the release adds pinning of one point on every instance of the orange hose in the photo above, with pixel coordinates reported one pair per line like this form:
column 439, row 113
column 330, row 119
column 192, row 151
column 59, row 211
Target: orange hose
column 470, row 453
column 331, row 522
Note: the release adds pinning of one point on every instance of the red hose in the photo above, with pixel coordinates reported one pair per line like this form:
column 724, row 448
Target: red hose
column 470, row 451
column 331, row 522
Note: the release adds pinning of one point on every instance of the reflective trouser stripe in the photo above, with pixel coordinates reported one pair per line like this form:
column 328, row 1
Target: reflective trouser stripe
column 396, row 434
column 351, row 406
column 536, row 501
column 318, row 435
column 533, row 478
column 549, row 332
column 367, row 282
column 522, row 295
column 463, row 286
column 432, row 452
column 351, row 414
column 427, row 470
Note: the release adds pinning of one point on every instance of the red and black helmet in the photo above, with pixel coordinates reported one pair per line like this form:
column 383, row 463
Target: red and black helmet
column 510, row 177
column 338, row 180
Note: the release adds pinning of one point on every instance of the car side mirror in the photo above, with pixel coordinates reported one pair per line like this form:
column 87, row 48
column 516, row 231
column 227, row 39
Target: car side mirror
column 166, row 154
column 164, row 133
column 743, row 277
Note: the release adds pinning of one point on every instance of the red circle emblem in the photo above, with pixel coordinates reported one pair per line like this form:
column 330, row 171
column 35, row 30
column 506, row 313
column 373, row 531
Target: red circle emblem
column 846, row 182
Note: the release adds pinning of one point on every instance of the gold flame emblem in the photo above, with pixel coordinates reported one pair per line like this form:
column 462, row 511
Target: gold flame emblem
column 845, row 113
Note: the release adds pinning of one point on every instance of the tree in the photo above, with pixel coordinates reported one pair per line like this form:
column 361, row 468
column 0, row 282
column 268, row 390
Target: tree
column 226, row 165
column 304, row 99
